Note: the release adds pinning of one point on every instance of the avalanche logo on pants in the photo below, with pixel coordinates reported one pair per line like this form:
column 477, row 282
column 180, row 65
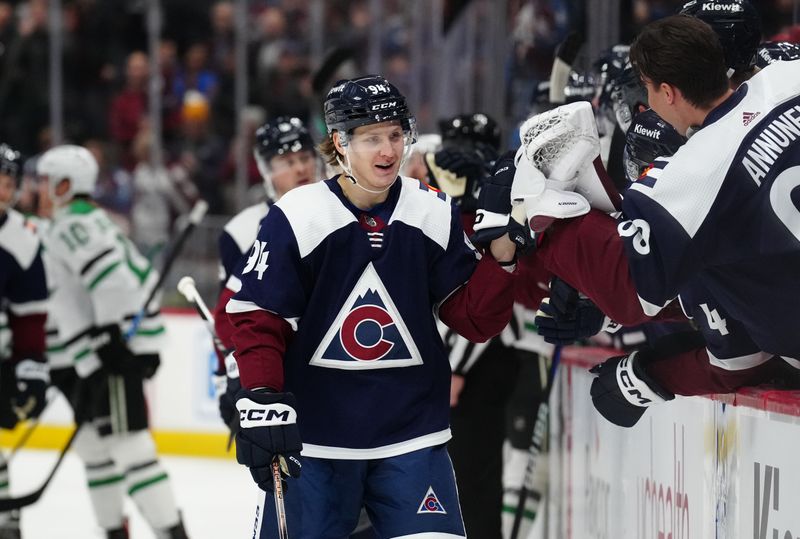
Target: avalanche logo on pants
column 368, row 332
column 431, row 504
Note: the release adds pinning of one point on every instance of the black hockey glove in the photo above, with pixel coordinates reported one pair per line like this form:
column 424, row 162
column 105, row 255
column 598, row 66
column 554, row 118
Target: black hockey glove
column 459, row 173
column 32, row 378
column 114, row 353
column 623, row 390
column 566, row 317
column 493, row 217
column 268, row 428
column 88, row 396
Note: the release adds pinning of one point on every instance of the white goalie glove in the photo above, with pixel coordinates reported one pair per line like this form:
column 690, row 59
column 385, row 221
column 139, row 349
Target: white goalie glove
column 557, row 167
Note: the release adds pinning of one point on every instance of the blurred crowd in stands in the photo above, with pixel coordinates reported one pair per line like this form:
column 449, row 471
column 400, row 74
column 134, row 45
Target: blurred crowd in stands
column 106, row 74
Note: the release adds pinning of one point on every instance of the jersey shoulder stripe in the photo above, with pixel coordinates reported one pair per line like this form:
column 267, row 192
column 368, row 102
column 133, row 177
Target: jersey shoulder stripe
column 18, row 240
column 423, row 208
column 243, row 227
column 313, row 213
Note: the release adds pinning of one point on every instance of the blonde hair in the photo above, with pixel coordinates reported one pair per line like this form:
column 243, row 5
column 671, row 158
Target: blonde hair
column 327, row 149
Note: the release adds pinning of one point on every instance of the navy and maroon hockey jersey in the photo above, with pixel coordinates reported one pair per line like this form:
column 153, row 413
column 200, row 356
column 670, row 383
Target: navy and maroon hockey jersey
column 359, row 289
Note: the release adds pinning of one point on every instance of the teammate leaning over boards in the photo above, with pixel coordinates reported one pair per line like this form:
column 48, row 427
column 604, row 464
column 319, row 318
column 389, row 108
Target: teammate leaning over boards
column 720, row 233
column 100, row 282
column 23, row 291
column 335, row 332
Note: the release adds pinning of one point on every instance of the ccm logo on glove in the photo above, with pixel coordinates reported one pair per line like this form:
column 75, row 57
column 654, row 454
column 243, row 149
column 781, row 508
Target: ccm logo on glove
column 253, row 414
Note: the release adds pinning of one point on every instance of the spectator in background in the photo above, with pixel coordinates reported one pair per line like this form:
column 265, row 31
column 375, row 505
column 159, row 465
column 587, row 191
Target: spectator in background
column 200, row 151
column 129, row 106
column 253, row 117
column 24, row 87
column 160, row 194
column 114, row 188
column 195, row 74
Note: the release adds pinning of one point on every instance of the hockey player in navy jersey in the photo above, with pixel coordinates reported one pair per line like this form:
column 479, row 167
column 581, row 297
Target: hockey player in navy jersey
column 336, row 338
column 714, row 225
column 100, row 282
column 286, row 158
column 24, row 375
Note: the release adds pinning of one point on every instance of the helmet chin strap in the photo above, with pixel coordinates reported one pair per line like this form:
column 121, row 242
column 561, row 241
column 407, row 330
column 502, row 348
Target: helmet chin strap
column 348, row 171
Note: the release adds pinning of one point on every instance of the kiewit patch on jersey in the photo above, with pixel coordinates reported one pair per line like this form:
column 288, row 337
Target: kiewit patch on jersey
column 368, row 332
column 431, row 504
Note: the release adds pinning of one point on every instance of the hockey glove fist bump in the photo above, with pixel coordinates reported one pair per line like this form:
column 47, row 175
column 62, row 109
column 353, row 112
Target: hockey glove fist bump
column 623, row 390
column 268, row 428
column 493, row 218
column 566, row 317
column 32, row 378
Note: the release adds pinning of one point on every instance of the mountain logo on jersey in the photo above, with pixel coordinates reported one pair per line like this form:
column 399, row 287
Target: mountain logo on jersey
column 431, row 504
column 368, row 332
column 748, row 117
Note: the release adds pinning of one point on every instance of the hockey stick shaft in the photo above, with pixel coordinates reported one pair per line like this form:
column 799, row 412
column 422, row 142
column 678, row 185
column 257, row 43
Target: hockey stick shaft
column 537, row 443
column 280, row 506
column 9, row 504
column 186, row 286
column 195, row 216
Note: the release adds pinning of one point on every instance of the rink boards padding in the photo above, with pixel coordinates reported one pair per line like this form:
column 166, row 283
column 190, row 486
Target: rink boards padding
column 722, row 466
column 181, row 403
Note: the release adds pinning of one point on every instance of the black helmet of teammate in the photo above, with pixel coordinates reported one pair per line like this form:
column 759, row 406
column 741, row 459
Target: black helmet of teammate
column 474, row 128
column 281, row 136
column 770, row 52
column 737, row 24
column 10, row 162
column 366, row 100
column 628, row 95
column 580, row 87
column 649, row 137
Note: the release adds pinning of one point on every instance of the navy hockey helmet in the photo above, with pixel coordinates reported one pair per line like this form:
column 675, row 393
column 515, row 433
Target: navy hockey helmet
column 366, row 100
column 281, row 136
column 628, row 95
column 10, row 162
column 648, row 138
column 737, row 24
column 770, row 52
column 580, row 87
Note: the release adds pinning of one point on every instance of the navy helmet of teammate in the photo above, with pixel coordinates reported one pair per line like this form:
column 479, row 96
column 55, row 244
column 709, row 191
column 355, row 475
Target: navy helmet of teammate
column 738, row 26
column 10, row 176
column 770, row 52
column 628, row 97
column 648, row 138
column 285, row 155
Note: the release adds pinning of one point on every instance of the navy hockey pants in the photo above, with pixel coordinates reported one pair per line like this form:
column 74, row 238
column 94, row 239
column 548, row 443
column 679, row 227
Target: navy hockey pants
column 407, row 495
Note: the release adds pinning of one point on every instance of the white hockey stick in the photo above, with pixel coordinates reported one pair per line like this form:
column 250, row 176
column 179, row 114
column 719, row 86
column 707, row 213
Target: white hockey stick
column 186, row 286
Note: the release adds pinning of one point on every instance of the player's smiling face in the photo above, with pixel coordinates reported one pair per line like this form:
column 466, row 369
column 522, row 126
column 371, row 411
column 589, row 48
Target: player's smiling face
column 375, row 152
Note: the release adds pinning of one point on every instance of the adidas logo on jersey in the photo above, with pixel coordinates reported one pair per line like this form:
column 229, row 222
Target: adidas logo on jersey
column 431, row 504
column 748, row 117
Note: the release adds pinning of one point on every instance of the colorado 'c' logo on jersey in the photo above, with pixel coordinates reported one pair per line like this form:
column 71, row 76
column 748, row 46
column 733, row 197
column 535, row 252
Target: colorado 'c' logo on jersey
column 368, row 332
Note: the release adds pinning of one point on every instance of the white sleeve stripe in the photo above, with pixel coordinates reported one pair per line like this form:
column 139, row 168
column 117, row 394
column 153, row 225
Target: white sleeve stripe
column 650, row 309
column 234, row 283
column 739, row 363
column 239, row 306
column 30, row 307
